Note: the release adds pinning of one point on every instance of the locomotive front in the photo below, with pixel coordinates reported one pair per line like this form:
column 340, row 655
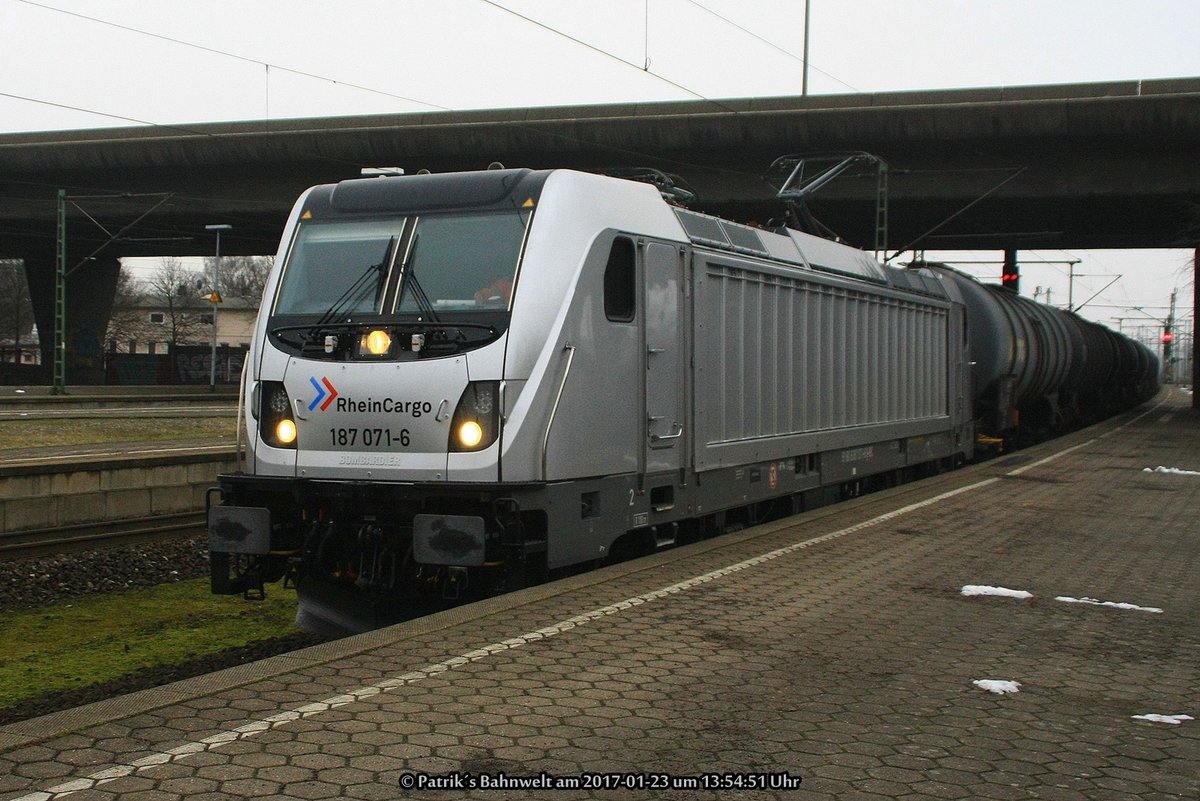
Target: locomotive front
column 376, row 376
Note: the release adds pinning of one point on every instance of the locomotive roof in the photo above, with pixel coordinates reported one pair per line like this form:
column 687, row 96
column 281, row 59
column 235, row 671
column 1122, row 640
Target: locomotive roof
column 516, row 188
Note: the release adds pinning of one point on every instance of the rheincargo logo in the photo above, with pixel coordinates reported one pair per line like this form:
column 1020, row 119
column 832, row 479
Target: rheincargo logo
column 413, row 408
column 323, row 398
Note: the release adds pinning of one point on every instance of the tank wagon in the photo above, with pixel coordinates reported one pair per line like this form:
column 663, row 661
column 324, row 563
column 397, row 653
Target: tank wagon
column 1038, row 370
column 459, row 383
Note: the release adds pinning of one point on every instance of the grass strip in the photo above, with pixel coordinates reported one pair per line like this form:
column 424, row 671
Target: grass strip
column 93, row 431
column 62, row 647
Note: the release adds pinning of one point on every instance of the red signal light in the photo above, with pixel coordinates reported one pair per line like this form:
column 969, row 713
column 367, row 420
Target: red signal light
column 1167, row 337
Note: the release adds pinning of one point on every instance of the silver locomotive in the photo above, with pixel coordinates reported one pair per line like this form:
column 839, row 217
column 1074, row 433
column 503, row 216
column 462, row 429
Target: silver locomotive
column 462, row 383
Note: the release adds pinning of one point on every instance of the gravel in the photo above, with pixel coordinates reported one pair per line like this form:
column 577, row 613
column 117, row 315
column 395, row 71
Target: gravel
column 39, row 581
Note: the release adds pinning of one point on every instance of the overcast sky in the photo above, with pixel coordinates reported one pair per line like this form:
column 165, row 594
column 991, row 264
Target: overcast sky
column 100, row 63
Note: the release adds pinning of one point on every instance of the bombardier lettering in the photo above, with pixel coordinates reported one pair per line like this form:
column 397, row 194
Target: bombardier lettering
column 413, row 409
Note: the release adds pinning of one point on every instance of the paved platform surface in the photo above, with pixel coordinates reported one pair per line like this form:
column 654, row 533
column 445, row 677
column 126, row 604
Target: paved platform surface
column 835, row 648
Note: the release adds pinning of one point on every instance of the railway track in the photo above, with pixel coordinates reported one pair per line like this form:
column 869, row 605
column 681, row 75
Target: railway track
column 217, row 410
column 66, row 539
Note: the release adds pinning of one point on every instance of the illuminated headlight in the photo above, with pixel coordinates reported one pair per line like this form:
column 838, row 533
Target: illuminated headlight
column 470, row 434
column 276, row 425
column 375, row 343
column 476, row 422
column 285, row 431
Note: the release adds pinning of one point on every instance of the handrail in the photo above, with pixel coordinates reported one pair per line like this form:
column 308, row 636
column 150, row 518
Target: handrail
column 554, row 409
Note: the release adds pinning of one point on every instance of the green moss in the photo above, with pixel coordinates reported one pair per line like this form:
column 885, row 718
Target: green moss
column 96, row 639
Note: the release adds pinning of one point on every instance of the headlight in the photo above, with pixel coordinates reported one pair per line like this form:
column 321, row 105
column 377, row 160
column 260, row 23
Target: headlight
column 375, row 343
column 470, row 434
column 476, row 422
column 276, row 425
column 285, row 432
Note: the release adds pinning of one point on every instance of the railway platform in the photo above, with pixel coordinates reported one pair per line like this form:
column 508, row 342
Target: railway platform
column 44, row 486
column 1023, row 628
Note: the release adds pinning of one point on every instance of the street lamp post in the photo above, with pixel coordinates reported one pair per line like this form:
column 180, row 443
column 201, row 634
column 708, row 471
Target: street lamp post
column 215, row 299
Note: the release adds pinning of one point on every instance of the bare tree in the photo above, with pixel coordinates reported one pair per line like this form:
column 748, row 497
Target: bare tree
column 175, row 290
column 16, row 309
column 244, row 277
column 129, row 321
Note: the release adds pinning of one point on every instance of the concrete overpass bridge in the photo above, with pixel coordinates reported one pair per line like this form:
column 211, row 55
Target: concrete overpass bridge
column 1070, row 166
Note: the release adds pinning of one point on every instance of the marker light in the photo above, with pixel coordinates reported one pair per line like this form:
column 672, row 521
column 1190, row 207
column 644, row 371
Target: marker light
column 285, row 432
column 278, row 401
column 377, row 343
column 470, row 434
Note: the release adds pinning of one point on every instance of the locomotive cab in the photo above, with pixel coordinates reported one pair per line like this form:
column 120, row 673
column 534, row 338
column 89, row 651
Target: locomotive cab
column 380, row 357
column 386, row 337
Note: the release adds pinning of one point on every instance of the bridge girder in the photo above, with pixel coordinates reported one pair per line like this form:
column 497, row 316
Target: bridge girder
column 1102, row 165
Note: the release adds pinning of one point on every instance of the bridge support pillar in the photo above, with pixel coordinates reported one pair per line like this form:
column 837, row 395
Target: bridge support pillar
column 90, row 293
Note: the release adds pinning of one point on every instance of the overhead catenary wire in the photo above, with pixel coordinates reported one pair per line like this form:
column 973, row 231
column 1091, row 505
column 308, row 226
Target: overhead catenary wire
column 645, row 68
column 228, row 54
column 316, row 76
column 772, row 45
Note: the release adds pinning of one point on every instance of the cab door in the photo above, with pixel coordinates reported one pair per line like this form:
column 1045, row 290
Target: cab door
column 665, row 358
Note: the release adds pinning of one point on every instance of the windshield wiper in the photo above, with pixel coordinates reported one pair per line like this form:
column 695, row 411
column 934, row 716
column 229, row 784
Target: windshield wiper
column 355, row 290
column 325, row 322
column 410, row 282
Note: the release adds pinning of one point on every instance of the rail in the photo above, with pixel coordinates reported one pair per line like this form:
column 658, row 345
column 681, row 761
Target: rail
column 64, row 539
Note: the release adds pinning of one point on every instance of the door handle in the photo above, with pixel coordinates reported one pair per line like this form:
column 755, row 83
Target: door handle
column 676, row 432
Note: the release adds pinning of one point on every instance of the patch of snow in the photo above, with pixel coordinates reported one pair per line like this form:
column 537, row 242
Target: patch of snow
column 982, row 589
column 998, row 686
column 1174, row 471
column 1174, row 720
column 1094, row 602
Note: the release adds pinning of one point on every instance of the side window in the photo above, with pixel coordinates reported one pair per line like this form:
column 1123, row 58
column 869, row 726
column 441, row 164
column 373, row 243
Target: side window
column 620, row 290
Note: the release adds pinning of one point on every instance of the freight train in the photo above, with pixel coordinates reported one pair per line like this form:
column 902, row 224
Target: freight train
column 463, row 383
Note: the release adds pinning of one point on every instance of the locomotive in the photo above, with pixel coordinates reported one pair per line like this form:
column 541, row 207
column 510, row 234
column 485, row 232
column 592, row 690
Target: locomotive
column 463, row 383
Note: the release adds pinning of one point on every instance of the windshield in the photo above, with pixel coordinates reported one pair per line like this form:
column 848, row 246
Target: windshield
column 461, row 263
column 329, row 259
column 436, row 283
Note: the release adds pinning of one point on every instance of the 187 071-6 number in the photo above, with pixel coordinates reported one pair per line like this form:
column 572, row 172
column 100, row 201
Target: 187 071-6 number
column 368, row 437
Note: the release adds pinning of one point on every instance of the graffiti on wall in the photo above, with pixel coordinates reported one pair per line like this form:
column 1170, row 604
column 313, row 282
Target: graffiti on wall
column 186, row 364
